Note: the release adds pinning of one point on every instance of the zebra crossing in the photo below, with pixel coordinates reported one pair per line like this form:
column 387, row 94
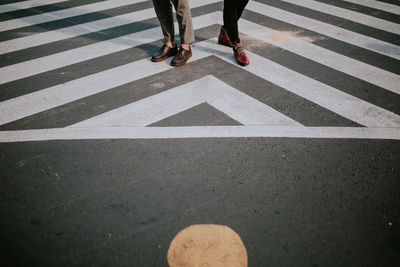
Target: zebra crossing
column 324, row 64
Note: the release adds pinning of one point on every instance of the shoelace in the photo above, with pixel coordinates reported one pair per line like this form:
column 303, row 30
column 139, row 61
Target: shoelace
column 239, row 49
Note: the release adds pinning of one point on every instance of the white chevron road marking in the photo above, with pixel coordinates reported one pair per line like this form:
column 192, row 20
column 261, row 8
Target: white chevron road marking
column 85, row 28
column 47, row 63
column 377, row 23
column 385, row 79
column 208, row 89
column 259, row 119
column 199, row 132
column 324, row 56
column 73, row 56
column 377, row 5
column 73, row 31
column 335, row 32
column 64, row 13
column 30, row 104
column 324, row 95
column 28, row 4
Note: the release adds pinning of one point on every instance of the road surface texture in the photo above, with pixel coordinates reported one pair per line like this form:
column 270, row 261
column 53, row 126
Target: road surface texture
column 106, row 156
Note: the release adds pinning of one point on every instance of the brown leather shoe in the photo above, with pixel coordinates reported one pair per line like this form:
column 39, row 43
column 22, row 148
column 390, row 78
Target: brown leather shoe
column 164, row 53
column 240, row 55
column 181, row 57
column 223, row 38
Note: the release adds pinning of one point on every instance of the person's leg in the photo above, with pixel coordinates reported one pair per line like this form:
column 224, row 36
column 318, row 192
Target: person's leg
column 164, row 13
column 241, row 7
column 184, row 18
column 230, row 19
column 231, row 10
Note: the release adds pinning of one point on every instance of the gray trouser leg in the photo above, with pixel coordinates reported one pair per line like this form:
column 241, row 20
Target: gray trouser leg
column 184, row 18
column 164, row 13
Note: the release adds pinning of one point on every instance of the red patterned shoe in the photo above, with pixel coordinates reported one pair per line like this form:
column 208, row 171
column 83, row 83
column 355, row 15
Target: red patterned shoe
column 223, row 38
column 240, row 55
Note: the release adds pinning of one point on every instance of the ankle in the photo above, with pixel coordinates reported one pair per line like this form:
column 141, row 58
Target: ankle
column 170, row 44
column 186, row 46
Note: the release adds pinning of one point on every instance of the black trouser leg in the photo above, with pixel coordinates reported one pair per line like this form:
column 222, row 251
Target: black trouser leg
column 233, row 10
column 242, row 5
column 164, row 14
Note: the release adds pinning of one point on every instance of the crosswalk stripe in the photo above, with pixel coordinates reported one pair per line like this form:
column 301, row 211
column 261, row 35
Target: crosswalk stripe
column 73, row 31
column 208, row 89
column 358, row 69
column 85, row 28
column 29, row 104
column 63, row 14
column 377, row 5
column 71, row 133
column 69, row 57
column 335, row 32
column 348, row 14
column 326, row 96
column 27, row 4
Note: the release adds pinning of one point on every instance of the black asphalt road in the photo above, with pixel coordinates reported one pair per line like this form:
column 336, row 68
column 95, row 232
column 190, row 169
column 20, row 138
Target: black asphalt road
column 294, row 202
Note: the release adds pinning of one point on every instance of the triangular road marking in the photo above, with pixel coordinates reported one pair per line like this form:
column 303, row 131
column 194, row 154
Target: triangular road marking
column 208, row 89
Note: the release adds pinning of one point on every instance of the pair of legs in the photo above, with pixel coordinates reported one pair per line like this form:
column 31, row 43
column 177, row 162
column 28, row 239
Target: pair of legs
column 164, row 11
column 229, row 34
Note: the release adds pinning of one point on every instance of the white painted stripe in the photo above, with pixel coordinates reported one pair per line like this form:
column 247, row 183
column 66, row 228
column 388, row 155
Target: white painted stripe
column 199, row 132
column 374, row 22
column 151, row 109
column 377, row 5
column 63, row 14
column 358, row 69
column 335, row 32
column 242, row 107
column 326, row 96
column 85, row 28
column 73, row 56
column 216, row 93
column 29, row 104
column 73, row 31
column 27, row 4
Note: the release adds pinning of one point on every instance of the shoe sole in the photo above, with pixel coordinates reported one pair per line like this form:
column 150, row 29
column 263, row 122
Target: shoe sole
column 180, row 64
column 159, row 59
column 162, row 58
column 242, row 64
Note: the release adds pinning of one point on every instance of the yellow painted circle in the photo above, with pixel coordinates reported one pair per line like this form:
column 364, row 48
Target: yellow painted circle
column 207, row 245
